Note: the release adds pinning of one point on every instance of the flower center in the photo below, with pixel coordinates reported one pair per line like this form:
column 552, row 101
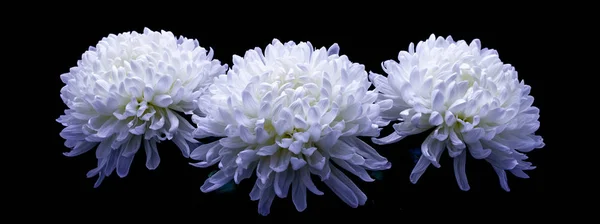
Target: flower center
column 465, row 118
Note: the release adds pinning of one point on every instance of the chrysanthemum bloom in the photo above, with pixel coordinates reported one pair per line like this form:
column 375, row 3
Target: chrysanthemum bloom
column 127, row 92
column 289, row 113
column 468, row 99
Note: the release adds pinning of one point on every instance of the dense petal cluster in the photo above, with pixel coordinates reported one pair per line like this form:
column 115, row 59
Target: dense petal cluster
column 468, row 98
column 286, row 114
column 128, row 91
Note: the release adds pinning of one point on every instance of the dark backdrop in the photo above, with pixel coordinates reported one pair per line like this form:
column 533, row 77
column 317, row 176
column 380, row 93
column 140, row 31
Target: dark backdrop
column 173, row 188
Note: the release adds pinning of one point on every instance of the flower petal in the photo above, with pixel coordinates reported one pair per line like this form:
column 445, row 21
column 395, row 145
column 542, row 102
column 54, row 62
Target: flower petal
column 299, row 194
column 460, row 173
column 344, row 188
column 215, row 182
column 152, row 157
column 123, row 164
column 419, row 169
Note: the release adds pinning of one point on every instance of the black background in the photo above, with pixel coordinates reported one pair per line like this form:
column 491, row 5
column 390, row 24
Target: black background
column 173, row 189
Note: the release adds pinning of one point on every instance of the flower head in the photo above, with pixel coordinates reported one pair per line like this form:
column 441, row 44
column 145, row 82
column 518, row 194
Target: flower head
column 289, row 113
column 127, row 92
column 468, row 98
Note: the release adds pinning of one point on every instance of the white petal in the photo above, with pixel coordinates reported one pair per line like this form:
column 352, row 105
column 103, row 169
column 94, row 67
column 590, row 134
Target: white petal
column 80, row 148
column 182, row 144
column 358, row 160
column 280, row 161
column 385, row 104
column 132, row 146
column 267, row 150
column 415, row 76
column 314, row 116
column 438, row 101
column 435, row 118
column 419, row 169
column 328, row 117
column 208, row 154
column 216, row 181
column 457, row 142
column 232, row 142
column 477, row 151
column 283, row 124
column 296, row 147
column 297, row 163
column 123, row 164
column 344, row 188
column 352, row 112
column 265, row 109
column 108, row 127
column 441, row 133
column 282, row 182
column 415, row 120
column 519, row 173
column 329, row 139
column 460, row 173
column 156, row 124
column 300, row 123
column 342, row 151
column 323, row 104
column 103, row 150
column 458, row 106
column 245, row 157
column 390, row 139
column 261, row 135
column 496, row 114
column 473, row 135
column 284, row 143
column 173, row 121
column 250, row 103
column 163, row 84
column 199, row 153
column 356, row 170
column 453, row 151
column 449, row 118
column 299, row 194
column 152, row 157
column 315, row 133
column 317, row 160
column 334, row 49
column 244, row 173
column 148, row 94
column 264, row 204
column 241, row 118
column 263, row 170
column 72, row 133
column 111, row 164
column 502, row 177
column 246, row 136
column 303, row 137
column 496, row 145
column 308, row 151
column 304, row 176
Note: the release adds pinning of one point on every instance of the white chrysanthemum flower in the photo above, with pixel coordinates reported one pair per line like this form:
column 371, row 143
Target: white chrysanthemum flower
column 469, row 98
column 290, row 113
column 127, row 92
